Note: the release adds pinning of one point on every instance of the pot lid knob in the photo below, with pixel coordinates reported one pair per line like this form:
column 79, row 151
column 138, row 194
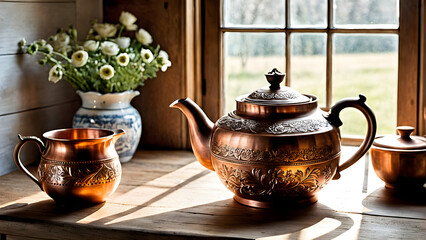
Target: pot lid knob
column 275, row 78
column 405, row 132
column 275, row 94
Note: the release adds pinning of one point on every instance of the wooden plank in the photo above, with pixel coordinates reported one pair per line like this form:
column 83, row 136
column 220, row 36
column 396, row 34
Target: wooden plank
column 250, row 225
column 46, row 1
column 408, row 79
column 35, row 20
column 86, row 12
column 188, row 201
column 24, row 85
column 422, row 92
column 309, row 30
column 13, row 237
column 30, row 104
column 212, row 66
column 162, row 127
column 198, row 52
column 32, row 123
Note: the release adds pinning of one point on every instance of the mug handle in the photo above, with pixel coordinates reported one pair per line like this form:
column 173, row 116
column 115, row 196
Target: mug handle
column 333, row 118
column 22, row 141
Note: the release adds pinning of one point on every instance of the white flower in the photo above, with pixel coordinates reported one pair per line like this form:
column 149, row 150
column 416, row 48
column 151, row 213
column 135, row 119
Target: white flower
column 163, row 60
column 163, row 54
column 42, row 42
column 79, row 58
column 128, row 20
column 109, row 48
column 48, row 48
column 123, row 42
column 166, row 65
column 106, row 72
column 123, row 59
column 55, row 74
column 23, row 42
column 143, row 37
column 105, row 29
column 91, row 45
column 60, row 42
column 146, row 55
column 162, row 57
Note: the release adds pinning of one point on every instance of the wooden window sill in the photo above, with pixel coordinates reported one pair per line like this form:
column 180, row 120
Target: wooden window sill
column 168, row 194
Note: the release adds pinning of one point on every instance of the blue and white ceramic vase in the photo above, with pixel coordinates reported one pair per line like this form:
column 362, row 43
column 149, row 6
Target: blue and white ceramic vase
column 111, row 111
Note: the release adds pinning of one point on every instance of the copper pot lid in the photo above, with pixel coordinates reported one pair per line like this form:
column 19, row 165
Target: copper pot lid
column 275, row 95
column 403, row 141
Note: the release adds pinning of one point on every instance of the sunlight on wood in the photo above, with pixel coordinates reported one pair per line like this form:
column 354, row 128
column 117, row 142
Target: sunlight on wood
column 167, row 193
column 36, row 197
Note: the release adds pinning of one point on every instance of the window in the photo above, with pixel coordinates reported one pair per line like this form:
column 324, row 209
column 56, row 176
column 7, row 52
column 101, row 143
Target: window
column 329, row 48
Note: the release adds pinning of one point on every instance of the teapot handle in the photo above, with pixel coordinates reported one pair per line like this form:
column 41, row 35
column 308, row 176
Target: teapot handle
column 22, row 141
column 334, row 119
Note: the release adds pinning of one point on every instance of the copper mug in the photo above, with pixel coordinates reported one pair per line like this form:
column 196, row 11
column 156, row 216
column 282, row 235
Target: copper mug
column 78, row 165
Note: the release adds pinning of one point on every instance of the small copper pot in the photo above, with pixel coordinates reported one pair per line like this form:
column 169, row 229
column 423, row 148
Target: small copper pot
column 400, row 161
column 78, row 165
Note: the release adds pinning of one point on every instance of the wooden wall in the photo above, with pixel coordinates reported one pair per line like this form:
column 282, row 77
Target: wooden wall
column 163, row 127
column 422, row 92
column 30, row 105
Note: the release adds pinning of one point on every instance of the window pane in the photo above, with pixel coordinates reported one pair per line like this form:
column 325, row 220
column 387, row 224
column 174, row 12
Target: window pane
column 253, row 13
column 309, row 13
column 369, row 13
column 367, row 64
column 308, row 64
column 247, row 57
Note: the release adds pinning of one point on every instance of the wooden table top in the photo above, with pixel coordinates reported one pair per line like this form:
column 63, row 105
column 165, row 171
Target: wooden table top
column 167, row 194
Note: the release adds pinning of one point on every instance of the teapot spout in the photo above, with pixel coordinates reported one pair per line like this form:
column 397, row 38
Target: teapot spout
column 200, row 130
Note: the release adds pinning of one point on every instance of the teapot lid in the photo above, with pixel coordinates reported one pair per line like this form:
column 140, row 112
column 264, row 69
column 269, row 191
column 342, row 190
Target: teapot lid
column 275, row 101
column 275, row 94
column 402, row 142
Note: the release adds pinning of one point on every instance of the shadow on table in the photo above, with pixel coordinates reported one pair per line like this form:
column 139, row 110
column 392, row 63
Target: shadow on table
column 391, row 214
column 409, row 203
column 48, row 209
column 229, row 219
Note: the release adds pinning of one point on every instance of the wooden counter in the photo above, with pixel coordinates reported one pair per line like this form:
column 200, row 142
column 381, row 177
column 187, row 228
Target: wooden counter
column 167, row 194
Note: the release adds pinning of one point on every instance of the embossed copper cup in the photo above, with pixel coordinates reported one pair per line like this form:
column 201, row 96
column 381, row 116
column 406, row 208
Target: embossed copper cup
column 78, row 165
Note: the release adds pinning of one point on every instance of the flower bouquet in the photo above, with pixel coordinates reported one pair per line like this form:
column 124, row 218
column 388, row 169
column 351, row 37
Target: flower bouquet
column 108, row 61
column 105, row 69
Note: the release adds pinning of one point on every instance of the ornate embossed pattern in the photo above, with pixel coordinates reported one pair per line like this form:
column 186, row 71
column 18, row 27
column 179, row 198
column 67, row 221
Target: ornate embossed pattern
column 328, row 173
column 273, row 181
column 249, row 155
column 284, row 127
column 70, row 174
column 274, row 96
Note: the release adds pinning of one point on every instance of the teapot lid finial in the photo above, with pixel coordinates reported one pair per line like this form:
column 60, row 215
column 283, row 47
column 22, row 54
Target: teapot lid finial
column 275, row 94
column 275, row 77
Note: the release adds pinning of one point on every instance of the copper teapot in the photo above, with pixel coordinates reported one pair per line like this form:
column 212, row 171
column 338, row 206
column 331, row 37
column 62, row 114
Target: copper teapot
column 78, row 166
column 277, row 149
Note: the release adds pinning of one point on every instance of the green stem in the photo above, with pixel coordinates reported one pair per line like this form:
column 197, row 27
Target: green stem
column 81, row 85
column 120, row 31
column 63, row 56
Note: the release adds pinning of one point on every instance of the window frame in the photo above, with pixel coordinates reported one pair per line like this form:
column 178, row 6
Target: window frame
column 411, row 77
